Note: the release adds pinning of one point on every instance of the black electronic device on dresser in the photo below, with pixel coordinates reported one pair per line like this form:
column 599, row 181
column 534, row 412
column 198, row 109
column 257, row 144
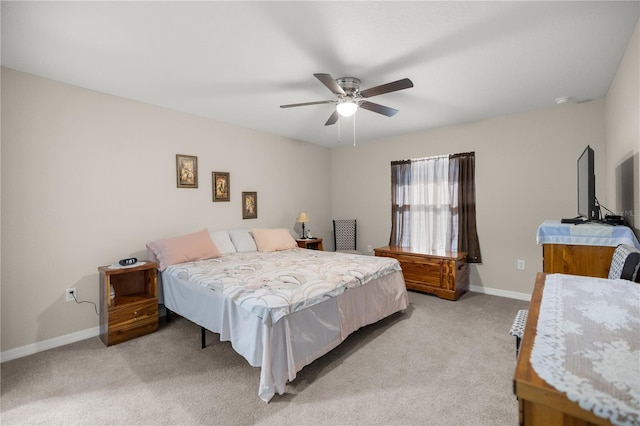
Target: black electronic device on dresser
column 587, row 202
column 613, row 219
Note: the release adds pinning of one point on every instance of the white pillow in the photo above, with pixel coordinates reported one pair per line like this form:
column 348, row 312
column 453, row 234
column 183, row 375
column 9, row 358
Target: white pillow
column 242, row 240
column 273, row 239
column 222, row 241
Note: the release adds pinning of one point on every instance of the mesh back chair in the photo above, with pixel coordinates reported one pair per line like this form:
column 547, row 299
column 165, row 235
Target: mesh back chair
column 625, row 263
column 344, row 236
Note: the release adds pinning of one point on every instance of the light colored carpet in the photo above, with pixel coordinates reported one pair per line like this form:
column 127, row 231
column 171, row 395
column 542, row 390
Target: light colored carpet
column 438, row 363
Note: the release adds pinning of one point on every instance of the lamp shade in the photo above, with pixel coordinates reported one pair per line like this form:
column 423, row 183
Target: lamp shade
column 347, row 108
column 302, row 217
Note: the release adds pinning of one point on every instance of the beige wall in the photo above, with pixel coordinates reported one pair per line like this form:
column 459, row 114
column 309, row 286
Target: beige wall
column 89, row 178
column 525, row 174
column 623, row 135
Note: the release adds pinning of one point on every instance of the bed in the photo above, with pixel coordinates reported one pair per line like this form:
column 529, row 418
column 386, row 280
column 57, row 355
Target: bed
column 280, row 306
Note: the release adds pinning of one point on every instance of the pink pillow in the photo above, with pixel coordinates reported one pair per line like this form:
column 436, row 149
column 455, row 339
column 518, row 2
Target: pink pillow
column 182, row 249
column 273, row 239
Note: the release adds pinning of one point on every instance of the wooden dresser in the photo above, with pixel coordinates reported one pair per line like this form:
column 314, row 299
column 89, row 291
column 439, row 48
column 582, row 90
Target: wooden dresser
column 589, row 261
column 443, row 273
column 585, row 249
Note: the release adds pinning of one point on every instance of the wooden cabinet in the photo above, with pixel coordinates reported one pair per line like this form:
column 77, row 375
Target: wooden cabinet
column 590, row 261
column 133, row 309
column 444, row 274
column 310, row 243
column 585, row 249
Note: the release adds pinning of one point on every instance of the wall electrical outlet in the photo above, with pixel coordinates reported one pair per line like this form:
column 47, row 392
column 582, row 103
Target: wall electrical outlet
column 369, row 249
column 521, row 264
column 69, row 296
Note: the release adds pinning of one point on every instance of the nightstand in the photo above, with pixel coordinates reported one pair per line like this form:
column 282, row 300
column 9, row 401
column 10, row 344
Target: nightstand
column 133, row 309
column 310, row 243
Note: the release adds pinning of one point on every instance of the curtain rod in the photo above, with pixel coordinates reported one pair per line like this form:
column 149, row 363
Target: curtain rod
column 433, row 157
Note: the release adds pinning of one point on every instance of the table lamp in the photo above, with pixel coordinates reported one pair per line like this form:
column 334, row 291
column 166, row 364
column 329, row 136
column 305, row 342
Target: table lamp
column 303, row 218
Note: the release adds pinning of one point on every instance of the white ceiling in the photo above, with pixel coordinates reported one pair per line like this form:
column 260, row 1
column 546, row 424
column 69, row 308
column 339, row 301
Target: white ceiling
column 238, row 61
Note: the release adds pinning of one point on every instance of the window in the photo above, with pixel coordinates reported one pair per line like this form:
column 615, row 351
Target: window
column 433, row 204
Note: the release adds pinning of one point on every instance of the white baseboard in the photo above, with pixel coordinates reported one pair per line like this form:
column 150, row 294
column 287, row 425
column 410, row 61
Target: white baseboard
column 49, row 344
column 501, row 293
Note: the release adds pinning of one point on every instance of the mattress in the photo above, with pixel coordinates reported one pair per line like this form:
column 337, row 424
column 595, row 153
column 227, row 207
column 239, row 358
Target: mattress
column 283, row 310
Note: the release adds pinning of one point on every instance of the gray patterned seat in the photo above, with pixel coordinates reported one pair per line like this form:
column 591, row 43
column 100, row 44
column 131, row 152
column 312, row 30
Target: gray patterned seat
column 517, row 328
column 625, row 263
column 344, row 236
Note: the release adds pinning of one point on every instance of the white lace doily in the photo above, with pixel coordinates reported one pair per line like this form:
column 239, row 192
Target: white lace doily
column 588, row 344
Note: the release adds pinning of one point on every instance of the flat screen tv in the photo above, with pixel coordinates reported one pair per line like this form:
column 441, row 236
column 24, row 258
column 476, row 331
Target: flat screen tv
column 587, row 203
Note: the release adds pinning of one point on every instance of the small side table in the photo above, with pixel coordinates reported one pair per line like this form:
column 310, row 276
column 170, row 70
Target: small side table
column 310, row 243
column 133, row 310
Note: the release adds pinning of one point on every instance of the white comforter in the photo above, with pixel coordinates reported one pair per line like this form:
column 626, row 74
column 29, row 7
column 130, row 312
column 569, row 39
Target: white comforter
column 272, row 285
column 283, row 310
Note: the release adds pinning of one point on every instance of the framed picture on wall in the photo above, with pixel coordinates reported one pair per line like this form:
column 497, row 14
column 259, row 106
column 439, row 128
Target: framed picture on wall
column 187, row 171
column 221, row 184
column 249, row 205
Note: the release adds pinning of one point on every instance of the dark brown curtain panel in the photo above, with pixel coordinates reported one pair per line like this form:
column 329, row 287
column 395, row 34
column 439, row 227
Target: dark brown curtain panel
column 468, row 241
column 400, row 203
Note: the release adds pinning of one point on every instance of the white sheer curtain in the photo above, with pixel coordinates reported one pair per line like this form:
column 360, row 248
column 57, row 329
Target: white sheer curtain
column 431, row 225
column 433, row 204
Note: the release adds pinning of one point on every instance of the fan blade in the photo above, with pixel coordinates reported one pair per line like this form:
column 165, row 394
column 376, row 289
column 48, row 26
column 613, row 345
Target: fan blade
column 380, row 109
column 333, row 118
column 330, row 82
column 405, row 83
column 307, row 103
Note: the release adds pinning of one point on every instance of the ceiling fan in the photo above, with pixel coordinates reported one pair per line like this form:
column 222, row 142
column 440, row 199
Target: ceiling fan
column 350, row 97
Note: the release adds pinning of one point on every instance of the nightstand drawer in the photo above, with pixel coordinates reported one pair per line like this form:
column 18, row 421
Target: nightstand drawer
column 133, row 312
column 135, row 328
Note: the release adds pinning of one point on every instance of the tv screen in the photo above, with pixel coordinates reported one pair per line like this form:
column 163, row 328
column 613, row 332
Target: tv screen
column 587, row 207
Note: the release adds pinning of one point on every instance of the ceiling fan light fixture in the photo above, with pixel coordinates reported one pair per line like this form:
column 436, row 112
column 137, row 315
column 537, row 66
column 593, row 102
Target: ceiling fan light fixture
column 349, row 98
column 347, row 108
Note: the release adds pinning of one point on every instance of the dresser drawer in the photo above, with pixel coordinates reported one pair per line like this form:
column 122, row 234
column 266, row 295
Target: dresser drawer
column 428, row 272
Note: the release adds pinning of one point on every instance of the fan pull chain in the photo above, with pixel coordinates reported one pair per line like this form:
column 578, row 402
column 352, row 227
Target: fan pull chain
column 354, row 129
column 339, row 130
